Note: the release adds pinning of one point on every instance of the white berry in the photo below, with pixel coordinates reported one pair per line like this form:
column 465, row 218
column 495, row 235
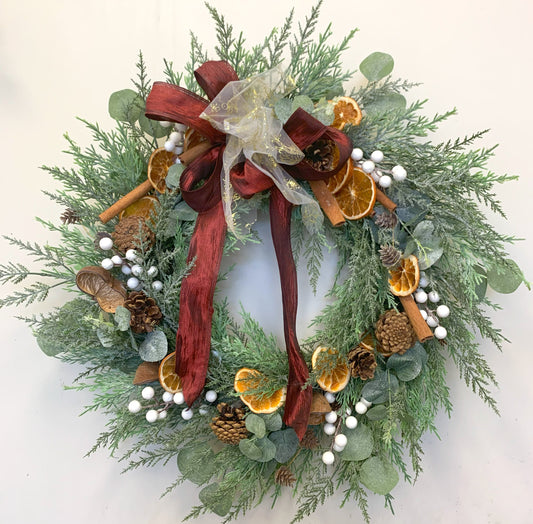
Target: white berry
column 169, row 146
column 348, row 411
column 376, row 156
column 107, row 263
column 152, row 415
column 162, row 414
column 433, row 296
column 134, row 406
column 424, row 314
column 178, row 398
column 152, row 271
column 337, row 448
column 330, row 397
column 157, row 285
column 376, row 175
column 432, row 321
column 131, row 255
column 443, row 311
column 331, row 417
column 167, row 396
column 368, row 166
column 329, row 429
column 148, row 393
column 357, row 154
column 423, row 282
column 328, row 458
column 211, row 396
column 440, row 332
column 366, row 402
column 186, row 414
column 421, row 296
column 385, row 181
column 399, row 173
column 175, row 137
column 351, row 422
column 360, row 408
column 106, row 243
column 136, row 270
column 165, row 124
column 126, row 269
column 133, row 282
column 180, row 127
column 117, row 260
column 341, row 440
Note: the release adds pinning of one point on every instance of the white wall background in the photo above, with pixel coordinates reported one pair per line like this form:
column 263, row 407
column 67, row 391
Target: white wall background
column 59, row 59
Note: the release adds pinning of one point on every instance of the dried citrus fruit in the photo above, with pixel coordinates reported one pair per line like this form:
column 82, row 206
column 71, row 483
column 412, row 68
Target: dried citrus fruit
column 158, row 165
column 346, row 111
column 168, row 378
column 192, row 138
column 246, row 379
column 333, row 369
column 335, row 182
column 141, row 208
column 357, row 196
column 404, row 279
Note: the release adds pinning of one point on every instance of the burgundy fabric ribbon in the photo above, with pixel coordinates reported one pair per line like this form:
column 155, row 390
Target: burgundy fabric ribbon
column 193, row 341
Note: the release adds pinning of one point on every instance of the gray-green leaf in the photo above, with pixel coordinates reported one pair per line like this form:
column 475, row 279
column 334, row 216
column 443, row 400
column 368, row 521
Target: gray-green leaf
column 381, row 388
column 268, row 449
column 48, row 347
column 409, row 365
column 273, row 421
column 172, row 180
column 256, row 425
column 304, row 102
column 378, row 475
column 185, row 213
column 122, row 318
column 125, row 106
column 152, row 127
column 283, row 109
column 376, row 412
column 154, row 347
column 505, row 277
column 219, row 503
column 250, row 449
column 360, row 443
column 196, row 463
column 431, row 244
column 377, row 66
column 286, row 442
column 105, row 332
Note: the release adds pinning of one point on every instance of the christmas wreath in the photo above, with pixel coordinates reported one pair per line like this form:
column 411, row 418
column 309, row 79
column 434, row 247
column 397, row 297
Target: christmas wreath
column 270, row 133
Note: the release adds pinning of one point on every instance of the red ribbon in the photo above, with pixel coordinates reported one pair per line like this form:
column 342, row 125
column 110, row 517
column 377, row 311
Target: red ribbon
column 193, row 341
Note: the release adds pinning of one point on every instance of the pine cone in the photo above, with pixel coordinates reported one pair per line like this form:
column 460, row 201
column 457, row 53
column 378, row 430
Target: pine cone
column 284, row 476
column 230, row 426
column 131, row 232
column 386, row 220
column 309, row 440
column 70, row 216
column 362, row 362
column 321, row 155
column 395, row 333
column 145, row 313
column 390, row 256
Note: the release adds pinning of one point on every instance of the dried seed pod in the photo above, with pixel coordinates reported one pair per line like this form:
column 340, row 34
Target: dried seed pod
column 100, row 284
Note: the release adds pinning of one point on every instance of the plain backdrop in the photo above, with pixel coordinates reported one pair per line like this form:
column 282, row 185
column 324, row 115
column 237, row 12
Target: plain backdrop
column 61, row 59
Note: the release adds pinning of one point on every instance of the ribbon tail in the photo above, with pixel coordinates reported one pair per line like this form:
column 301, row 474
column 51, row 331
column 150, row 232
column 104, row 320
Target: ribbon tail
column 298, row 402
column 193, row 340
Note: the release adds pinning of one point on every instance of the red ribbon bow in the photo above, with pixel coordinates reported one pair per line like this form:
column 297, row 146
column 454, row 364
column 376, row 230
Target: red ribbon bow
column 193, row 341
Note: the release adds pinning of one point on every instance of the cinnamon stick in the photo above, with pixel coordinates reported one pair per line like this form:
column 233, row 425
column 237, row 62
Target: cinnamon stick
column 327, row 202
column 422, row 330
column 385, row 201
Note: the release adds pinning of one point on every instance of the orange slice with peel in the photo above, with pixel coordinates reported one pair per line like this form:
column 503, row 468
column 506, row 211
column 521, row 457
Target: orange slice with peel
column 335, row 182
column 141, row 208
column 346, row 111
column 247, row 379
column 168, row 378
column 404, row 279
column 333, row 370
column 357, row 195
column 158, row 167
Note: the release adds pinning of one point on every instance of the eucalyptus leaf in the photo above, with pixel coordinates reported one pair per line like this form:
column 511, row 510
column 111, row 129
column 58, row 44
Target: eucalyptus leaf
column 105, row 332
column 481, row 286
column 125, row 106
column 273, row 421
column 152, row 127
column 304, row 102
column 376, row 412
column 268, row 449
column 286, row 442
column 411, row 215
column 172, row 180
column 154, row 347
column 250, row 449
column 505, row 277
column 377, row 66
column 256, row 425
column 360, row 443
column 378, row 475
column 432, row 250
column 409, row 365
column 48, row 346
column 185, row 213
column 283, row 109
column 196, row 463
column 219, row 503
column 385, row 103
column 122, row 318
column 381, row 388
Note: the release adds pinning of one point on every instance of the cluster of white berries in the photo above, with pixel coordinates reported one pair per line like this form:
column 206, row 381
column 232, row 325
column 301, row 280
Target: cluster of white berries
column 158, row 411
column 129, row 265
column 382, row 177
column 174, row 144
column 431, row 316
column 334, row 422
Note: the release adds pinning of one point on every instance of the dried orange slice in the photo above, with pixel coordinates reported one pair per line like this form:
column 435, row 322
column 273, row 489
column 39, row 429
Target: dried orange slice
column 246, row 379
column 192, row 138
column 346, row 111
column 404, row 279
column 158, row 166
column 335, row 182
column 357, row 196
column 333, row 369
column 142, row 208
column 168, row 378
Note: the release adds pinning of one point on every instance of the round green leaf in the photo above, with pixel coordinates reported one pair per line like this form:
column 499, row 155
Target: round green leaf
column 378, row 475
column 377, row 66
column 268, row 449
column 219, row 503
column 249, row 448
column 105, row 333
column 360, row 443
column 185, row 213
column 409, row 365
column 172, row 180
column 152, row 127
column 196, row 463
column 48, row 347
column 381, row 388
column 304, row 102
column 273, row 421
column 385, row 103
column 376, row 412
column 283, row 109
column 505, row 277
column 125, row 106
column 481, row 286
column 154, row 347
column 256, row 425
column 122, row 318
column 286, row 442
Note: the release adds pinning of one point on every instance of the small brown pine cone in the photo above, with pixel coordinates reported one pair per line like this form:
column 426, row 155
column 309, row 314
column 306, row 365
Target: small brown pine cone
column 394, row 333
column 390, row 256
column 386, row 220
column 321, row 155
column 145, row 313
column 309, row 440
column 131, row 232
column 229, row 427
column 284, row 476
column 70, row 216
column 362, row 362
